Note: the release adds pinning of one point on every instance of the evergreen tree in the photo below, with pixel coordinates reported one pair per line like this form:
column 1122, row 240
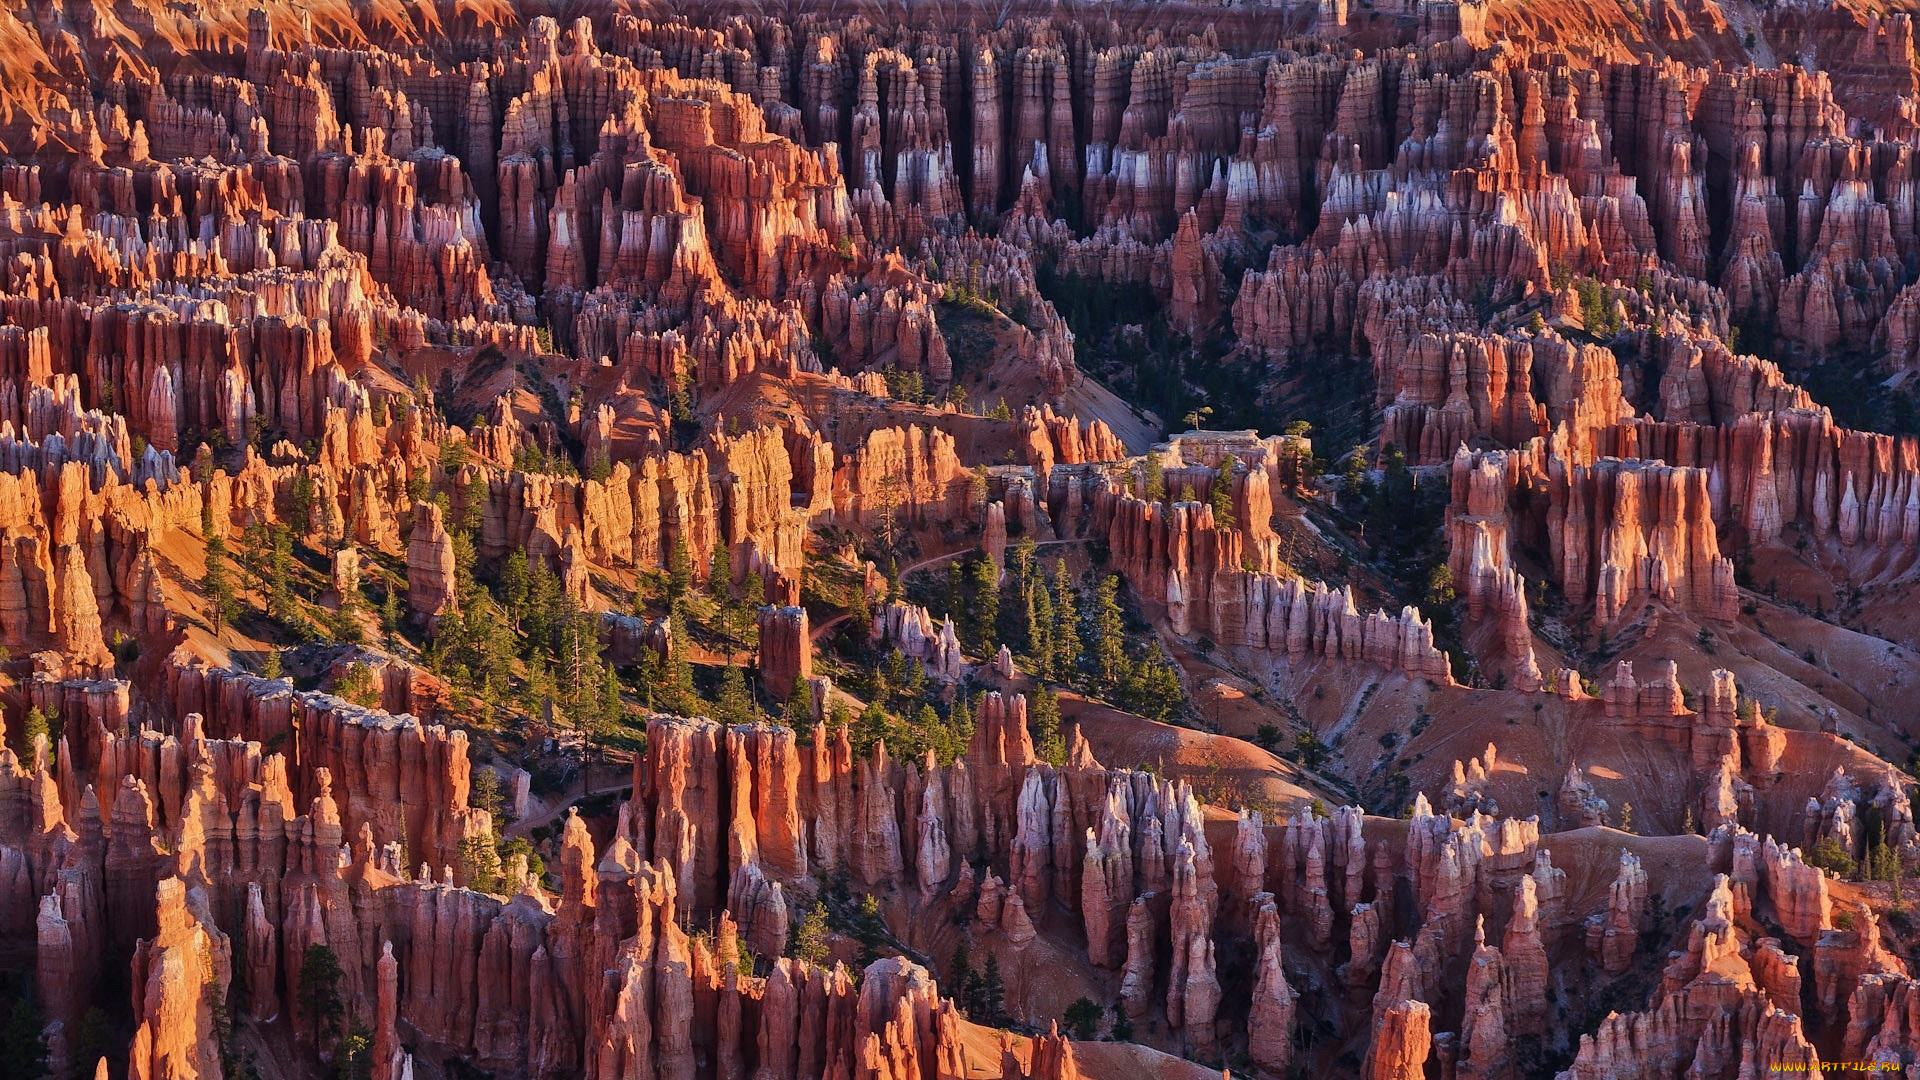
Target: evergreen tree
column 544, row 608
column 957, row 592
column 860, row 614
column 984, row 612
column 23, row 1044
column 303, row 499
column 36, row 727
column 93, row 1041
column 736, row 703
column 343, row 623
column 1083, row 1018
column 1156, row 482
column 959, row 972
column 872, row 726
column 613, row 707
column 280, row 600
column 473, row 501
column 390, row 615
column 1149, row 686
column 720, row 571
column 993, row 991
column 1040, row 629
column 484, row 793
column 223, row 603
column 1356, row 471
column 960, row 718
column 480, row 862
column 680, row 696
column 1109, row 637
column 798, row 710
column 464, row 560
column 1016, row 618
column 577, row 663
column 320, row 988
column 203, row 472
column 1066, row 625
column 1220, row 495
column 810, row 942
column 1043, row 723
column 495, row 661
column 516, row 585
column 679, row 570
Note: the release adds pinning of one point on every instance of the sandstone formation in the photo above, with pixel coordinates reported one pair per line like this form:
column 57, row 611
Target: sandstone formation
column 746, row 302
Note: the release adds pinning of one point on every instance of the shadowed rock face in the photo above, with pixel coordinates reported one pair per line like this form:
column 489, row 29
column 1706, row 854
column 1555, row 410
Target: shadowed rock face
column 636, row 292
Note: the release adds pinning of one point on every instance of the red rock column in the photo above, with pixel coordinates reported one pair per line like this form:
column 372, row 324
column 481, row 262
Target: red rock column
column 786, row 648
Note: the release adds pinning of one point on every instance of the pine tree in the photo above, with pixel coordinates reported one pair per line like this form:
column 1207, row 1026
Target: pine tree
column 1066, row 625
column 753, row 595
column 612, row 706
column 957, row 592
column 1016, row 619
column 1043, row 723
column 984, row 614
column 36, row 727
column 993, row 991
column 464, row 560
column 1109, row 638
column 959, row 970
column 960, row 718
column 280, row 601
column 679, row 570
column 303, row 499
column 203, row 472
column 720, row 572
column 1040, row 629
column 1221, row 495
column 1156, row 483
column 23, row 1040
column 860, row 614
column 1083, row 1018
column 653, row 679
column 736, row 703
column 869, row 728
column 390, row 615
column 484, row 793
column 1149, row 686
column 576, row 662
column 516, row 585
column 798, row 711
column 224, row 605
column 480, row 862
column 473, row 501
column 320, row 987
column 680, row 696
column 810, row 941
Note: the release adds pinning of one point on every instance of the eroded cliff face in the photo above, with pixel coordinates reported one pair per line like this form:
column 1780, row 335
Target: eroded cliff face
column 734, row 826
column 621, row 291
